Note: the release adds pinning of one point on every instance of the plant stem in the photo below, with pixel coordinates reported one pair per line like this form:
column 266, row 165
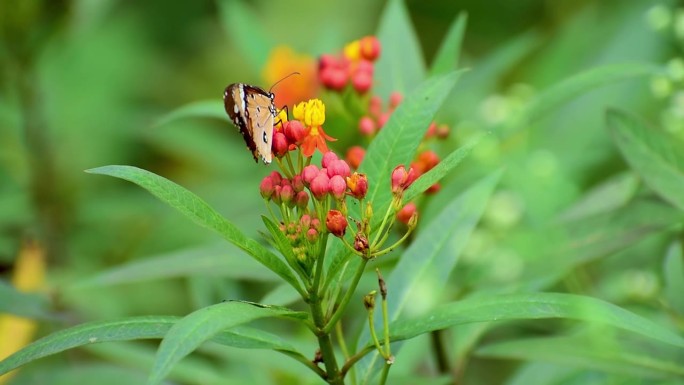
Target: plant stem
column 324, row 338
column 440, row 352
column 385, row 372
column 347, row 297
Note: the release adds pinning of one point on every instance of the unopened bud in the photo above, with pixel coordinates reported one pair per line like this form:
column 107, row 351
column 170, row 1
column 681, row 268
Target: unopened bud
column 369, row 300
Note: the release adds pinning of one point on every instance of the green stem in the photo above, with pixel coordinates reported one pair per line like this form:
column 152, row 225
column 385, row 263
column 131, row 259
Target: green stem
column 385, row 325
column 347, row 297
column 382, row 225
column 397, row 243
column 374, row 335
column 356, row 358
column 385, row 372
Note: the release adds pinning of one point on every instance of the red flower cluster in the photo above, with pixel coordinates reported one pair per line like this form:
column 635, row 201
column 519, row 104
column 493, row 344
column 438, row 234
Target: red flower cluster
column 355, row 65
column 334, row 178
column 304, row 132
column 370, row 124
column 425, row 162
column 282, row 190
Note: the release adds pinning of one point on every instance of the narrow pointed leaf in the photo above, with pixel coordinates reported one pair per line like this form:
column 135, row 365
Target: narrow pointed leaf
column 199, row 211
column 150, row 327
column 202, row 325
column 658, row 159
column 449, row 51
column 532, row 306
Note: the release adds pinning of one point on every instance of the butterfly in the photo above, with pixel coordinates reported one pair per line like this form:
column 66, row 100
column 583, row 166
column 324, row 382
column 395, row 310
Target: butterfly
column 253, row 111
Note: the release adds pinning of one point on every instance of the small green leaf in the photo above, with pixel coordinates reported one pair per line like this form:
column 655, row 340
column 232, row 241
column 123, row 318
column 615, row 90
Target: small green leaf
column 199, row 211
column 673, row 272
column 587, row 352
column 202, row 325
column 449, row 51
column 400, row 66
column 426, row 264
column 151, row 327
column 531, row 306
column 438, row 172
column 656, row 157
column 202, row 109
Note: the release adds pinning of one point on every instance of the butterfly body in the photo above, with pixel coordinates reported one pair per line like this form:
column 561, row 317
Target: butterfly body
column 253, row 112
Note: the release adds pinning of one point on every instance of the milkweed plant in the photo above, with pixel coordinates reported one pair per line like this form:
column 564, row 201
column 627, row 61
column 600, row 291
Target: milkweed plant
column 336, row 222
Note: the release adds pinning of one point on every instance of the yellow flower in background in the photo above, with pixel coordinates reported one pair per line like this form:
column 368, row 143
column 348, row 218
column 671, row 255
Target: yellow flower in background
column 353, row 50
column 29, row 276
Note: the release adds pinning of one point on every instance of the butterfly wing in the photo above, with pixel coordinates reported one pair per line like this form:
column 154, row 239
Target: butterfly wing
column 252, row 111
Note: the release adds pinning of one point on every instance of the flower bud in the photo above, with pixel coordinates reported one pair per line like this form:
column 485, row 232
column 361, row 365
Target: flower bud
column 367, row 126
column 433, row 189
column 336, row 223
column 369, row 210
column 302, row 199
column 297, row 183
column 375, row 105
column 309, row 173
column 294, row 131
column 280, row 145
column 276, row 194
column 443, row 131
column 364, row 66
column 266, row 188
column 427, row 160
column 316, row 224
column 406, row 213
column 382, row 119
column 338, row 187
column 369, row 47
column 402, row 179
column 369, row 300
column 355, row 156
column 358, row 185
column 276, row 177
column 338, row 167
column 395, row 98
column 305, row 221
column 320, row 186
column 328, row 158
column 286, row 194
column 362, row 82
column 431, row 131
column 360, row 242
column 311, row 235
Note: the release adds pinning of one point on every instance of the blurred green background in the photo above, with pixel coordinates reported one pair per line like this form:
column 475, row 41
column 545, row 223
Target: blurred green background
column 84, row 83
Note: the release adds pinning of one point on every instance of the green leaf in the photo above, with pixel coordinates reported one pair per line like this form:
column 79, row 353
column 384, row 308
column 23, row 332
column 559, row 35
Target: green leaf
column 587, row 352
column 246, row 32
column 673, row 272
column 27, row 305
column 398, row 141
column 217, row 260
column 438, row 172
column 151, row 327
column 202, row 325
column 613, row 193
column 199, row 211
column 560, row 93
column 656, row 157
column 202, row 109
column 527, row 306
column 449, row 51
column 395, row 144
column 400, row 66
column 426, row 264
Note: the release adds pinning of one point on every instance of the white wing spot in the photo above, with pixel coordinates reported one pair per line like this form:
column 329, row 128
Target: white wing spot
column 236, row 109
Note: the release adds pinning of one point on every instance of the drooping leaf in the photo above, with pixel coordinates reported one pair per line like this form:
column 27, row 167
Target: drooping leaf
column 447, row 56
column 658, row 159
column 150, row 327
column 200, row 212
column 611, row 356
column 532, row 306
column 202, row 325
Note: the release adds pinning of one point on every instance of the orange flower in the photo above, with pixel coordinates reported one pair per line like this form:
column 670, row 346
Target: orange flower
column 312, row 114
column 282, row 62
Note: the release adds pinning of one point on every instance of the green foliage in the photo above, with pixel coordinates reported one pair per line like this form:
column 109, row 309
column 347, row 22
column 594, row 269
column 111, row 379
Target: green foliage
column 552, row 251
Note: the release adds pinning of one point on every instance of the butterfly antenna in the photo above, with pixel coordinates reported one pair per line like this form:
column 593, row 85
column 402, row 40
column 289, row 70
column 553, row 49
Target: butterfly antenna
column 274, row 84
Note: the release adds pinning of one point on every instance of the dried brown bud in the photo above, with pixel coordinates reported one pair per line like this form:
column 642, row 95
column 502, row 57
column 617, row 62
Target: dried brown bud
column 382, row 285
column 369, row 300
